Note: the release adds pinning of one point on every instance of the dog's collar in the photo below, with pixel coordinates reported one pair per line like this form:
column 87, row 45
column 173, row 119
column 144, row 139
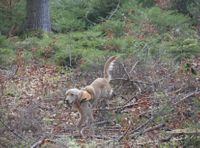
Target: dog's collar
column 82, row 101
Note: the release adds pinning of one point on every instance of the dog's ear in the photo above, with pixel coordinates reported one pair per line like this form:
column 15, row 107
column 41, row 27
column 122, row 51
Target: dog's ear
column 84, row 95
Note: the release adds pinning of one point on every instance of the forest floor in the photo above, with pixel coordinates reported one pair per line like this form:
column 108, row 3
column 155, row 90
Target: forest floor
column 153, row 105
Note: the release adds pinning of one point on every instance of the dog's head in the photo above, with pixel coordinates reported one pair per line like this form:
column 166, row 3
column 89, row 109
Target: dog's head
column 75, row 95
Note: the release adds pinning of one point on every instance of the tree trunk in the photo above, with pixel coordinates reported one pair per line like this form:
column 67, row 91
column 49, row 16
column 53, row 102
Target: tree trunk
column 198, row 26
column 38, row 15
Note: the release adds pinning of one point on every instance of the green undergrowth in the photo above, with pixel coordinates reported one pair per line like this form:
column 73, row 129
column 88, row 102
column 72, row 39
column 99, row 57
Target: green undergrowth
column 87, row 47
column 145, row 32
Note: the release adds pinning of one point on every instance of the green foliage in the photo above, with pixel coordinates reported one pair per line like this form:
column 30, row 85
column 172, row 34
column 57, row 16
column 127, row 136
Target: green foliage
column 6, row 56
column 121, row 33
column 188, row 7
column 28, row 43
column 166, row 20
column 67, row 58
column 146, row 3
column 87, row 39
column 181, row 5
column 192, row 141
column 130, row 10
column 12, row 15
column 7, row 53
column 116, row 44
column 68, row 15
column 100, row 9
column 194, row 10
column 115, row 27
column 3, row 41
column 72, row 15
column 184, row 48
column 78, row 48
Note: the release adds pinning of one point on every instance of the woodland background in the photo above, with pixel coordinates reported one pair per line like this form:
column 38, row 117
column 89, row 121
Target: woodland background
column 47, row 47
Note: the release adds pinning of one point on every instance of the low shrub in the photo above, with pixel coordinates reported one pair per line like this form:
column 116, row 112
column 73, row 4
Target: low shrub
column 166, row 20
column 68, row 15
column 184, row 48
column 13, row 16
column 100, row 10
column 7, row 56
column 112, row 28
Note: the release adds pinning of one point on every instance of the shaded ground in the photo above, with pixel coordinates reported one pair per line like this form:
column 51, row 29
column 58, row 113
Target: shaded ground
column 151, row 102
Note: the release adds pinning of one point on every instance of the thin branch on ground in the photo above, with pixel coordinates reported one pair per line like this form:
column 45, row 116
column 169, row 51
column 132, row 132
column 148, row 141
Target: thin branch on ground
column 116, row 108
column 192, row 94
column 133, row 67
column 186, row 131
column 12, row 131
column 126, row 72
column 156, row 127
column 38, row 142
column 125, row 133
column 139, row 130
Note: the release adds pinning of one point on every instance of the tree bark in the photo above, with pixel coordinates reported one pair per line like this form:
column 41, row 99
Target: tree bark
column 38, row 15
column 198, row 25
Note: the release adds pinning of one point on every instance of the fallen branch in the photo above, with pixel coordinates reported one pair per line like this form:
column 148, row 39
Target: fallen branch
column 125, row 133
column 126, row 72
column 184, row 132
column 156, row 127
column 133, row 81
column 192, row 94
column 12, row 131
column 116, row 108
column 101, row 137
column 39, row 142
column 124, row 105
column 133, row 67
column 102, row 122
column 138, row 130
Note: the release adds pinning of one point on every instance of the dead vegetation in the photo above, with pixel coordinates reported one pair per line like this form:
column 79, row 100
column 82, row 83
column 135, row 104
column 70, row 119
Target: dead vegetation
column 154, row 104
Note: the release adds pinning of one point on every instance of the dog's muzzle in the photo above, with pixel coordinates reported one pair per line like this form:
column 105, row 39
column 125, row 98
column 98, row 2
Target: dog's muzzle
column 67, row 103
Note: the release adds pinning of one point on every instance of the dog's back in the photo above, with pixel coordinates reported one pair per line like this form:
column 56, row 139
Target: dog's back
column 101, row 87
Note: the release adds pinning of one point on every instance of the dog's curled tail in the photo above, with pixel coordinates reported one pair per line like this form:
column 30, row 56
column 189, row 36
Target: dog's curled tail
column 108, row 67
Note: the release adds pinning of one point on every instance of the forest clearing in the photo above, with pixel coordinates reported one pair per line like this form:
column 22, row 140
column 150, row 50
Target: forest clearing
column 147, row 53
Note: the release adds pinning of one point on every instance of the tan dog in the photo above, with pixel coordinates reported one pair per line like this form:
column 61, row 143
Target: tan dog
column 99, row 88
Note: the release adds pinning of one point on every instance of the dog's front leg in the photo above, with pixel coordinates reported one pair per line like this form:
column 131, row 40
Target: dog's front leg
column 86, row 118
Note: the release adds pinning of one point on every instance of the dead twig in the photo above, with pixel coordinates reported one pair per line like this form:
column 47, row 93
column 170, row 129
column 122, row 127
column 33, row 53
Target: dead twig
column 126, row 72
column 156, row 127
column 102, row 122
column 12, row 131
column 133, row 67
column 192, row 94
column 38, row 142
column 133, row 81
column 139, row 130
column 116, row 108
column 186, row 131
column 125, row 133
